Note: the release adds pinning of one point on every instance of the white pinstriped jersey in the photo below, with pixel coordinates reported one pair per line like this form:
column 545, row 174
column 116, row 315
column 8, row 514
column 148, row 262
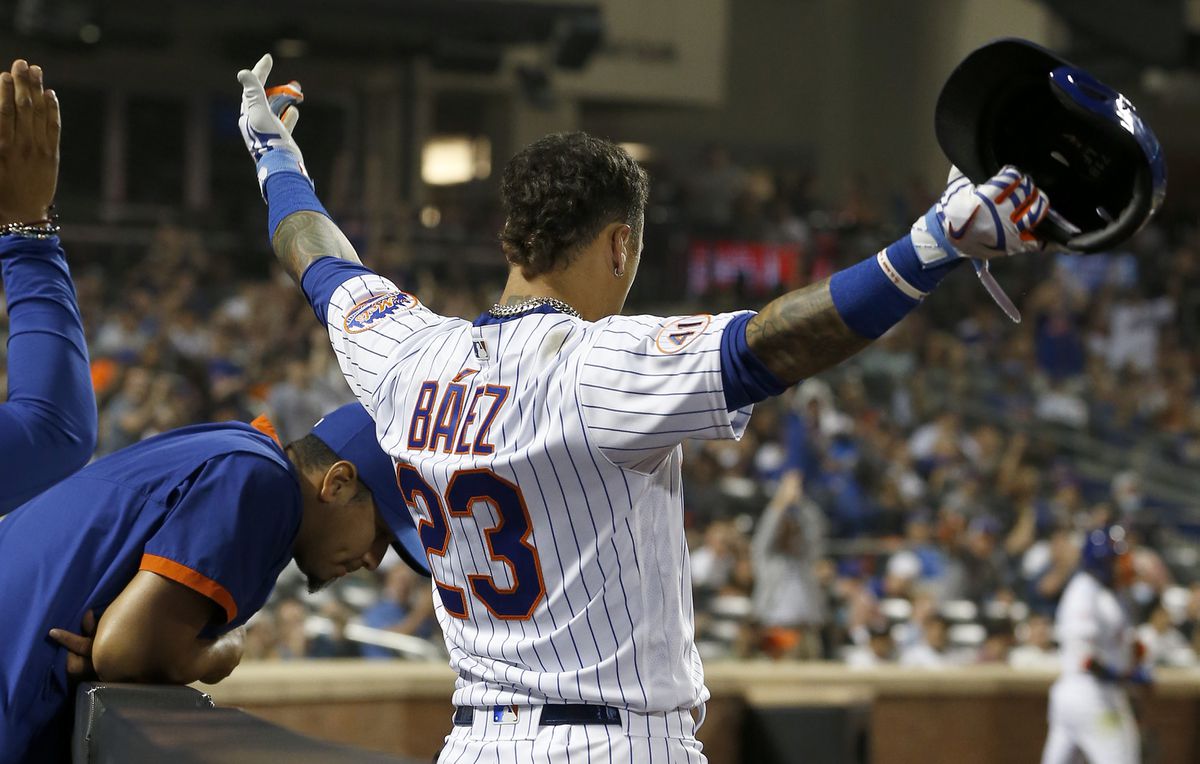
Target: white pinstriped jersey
column 540, row 457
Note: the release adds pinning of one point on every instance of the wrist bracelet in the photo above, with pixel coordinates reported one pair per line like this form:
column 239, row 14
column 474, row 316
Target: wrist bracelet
column 36, row 229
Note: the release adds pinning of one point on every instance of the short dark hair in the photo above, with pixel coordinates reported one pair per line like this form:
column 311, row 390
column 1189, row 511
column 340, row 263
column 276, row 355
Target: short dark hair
column 311, row 453
column 559, row 192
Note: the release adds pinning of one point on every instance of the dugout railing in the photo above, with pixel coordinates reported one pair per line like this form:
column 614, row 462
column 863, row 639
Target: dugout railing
column 121, row 723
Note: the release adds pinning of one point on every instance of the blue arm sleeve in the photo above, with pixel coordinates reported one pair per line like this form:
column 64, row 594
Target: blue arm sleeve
column 868, row 301
column 48, row 424
column 323, row 277
column 745, row 378
column 286, row 192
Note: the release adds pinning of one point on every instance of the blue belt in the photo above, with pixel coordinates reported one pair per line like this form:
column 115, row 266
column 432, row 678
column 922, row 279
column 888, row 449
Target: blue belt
column 569, row 713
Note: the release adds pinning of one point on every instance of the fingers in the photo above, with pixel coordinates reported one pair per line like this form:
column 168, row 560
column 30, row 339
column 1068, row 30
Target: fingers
column 290, row 117
column 23, row 89
column 76, row 644
column 37, row 94
column 8, row 109
column 263, row 68
column 53, row 121
column 89, row 623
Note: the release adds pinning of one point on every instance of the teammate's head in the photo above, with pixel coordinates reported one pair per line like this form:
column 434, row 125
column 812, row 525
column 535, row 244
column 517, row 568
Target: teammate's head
column 340, row 530
column 352, row 506
column 570, row 197
column 1106, row 556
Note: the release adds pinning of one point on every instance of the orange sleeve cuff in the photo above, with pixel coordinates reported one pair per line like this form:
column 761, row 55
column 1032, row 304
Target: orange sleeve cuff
column 198, row 582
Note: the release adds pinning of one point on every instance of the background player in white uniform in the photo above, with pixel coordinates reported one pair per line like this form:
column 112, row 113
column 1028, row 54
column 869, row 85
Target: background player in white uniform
column 538, row 446
column 1089, row 709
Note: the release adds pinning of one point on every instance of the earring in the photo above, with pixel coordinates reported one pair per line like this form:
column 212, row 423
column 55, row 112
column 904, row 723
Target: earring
column 618, row 272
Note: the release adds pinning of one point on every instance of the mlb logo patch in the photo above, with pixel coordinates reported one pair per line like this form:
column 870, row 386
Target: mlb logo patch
column 481, row 350
column 504, row 714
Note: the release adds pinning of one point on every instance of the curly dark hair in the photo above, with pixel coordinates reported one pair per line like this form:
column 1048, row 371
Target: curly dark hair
column 559, row 192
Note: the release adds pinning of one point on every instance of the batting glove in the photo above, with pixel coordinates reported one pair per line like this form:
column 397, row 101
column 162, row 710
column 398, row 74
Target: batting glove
column 266, row 120
column 994, row 219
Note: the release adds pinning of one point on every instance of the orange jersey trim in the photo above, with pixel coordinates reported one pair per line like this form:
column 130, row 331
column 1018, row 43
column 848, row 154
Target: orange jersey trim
column 198, row 582
column 263, row 425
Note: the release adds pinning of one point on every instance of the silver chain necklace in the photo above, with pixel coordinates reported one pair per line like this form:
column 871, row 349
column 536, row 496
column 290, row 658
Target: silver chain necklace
column 504, row 311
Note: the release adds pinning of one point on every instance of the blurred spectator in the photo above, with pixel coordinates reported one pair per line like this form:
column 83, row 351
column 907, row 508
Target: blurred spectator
column 997, row 643
column 788, row 602
column 1165, row 645
column 333, row 643
column 1133, row 330
column 291, row 629
column 404, row 607
column 1035, row 645
column 262, row 638
column 880, row 649
column 933, row 649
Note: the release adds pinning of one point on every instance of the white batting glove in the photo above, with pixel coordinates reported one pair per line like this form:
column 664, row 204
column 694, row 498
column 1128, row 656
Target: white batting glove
column 268, row 138
column 994, row 219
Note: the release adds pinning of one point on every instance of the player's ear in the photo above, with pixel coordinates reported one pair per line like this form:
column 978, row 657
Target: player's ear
column 340, row 483
column 618, row 235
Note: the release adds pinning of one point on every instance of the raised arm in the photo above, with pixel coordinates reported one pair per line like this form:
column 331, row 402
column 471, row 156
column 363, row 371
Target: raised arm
column 301, row 230
column 151, row 633
column 801, row 334
column 304, row 237
column 816, row 327
column 48, row 424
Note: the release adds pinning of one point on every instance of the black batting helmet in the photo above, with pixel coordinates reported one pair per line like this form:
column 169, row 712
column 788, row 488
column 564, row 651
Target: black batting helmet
column 1083, row 143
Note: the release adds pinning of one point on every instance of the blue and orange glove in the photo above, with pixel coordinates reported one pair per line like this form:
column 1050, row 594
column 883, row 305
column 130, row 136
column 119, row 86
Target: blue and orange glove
column 266, row 121
column 994, row 219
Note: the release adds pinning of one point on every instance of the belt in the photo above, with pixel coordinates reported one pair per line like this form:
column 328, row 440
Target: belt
column 569, row 713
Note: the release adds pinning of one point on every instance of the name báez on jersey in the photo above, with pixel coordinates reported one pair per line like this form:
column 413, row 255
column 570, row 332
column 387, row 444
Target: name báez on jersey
column 444, row 421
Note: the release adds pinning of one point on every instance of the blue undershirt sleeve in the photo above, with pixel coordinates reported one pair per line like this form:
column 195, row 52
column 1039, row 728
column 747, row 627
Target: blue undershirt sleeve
column 48, row 424
column 323, row 277
column 745, row 378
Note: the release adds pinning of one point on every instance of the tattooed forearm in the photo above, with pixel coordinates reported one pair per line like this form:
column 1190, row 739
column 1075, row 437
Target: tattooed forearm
column 801, row 334
column 303, row 237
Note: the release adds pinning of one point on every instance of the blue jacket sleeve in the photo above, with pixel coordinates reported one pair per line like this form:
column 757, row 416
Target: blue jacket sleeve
column 229, row 533
column 48, row 424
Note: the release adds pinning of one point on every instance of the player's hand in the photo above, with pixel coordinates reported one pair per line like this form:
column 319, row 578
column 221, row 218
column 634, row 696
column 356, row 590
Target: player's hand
column 79, row 648
column 1142, row 675
column 994, row 219
column 228, row 651
column 29, row 129
column 268, row 138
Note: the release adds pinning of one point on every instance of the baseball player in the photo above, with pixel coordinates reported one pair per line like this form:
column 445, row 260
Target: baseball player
column 48, row 424
column 175, row 542
column 538, row 446
column 1089, row 709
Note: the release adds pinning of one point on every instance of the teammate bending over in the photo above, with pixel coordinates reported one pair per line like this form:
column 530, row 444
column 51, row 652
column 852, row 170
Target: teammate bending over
column 48, row 424
column 538, row 446
column 175, row 542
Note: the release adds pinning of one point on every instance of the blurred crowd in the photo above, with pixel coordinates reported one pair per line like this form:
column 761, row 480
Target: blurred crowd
column 922, row 504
